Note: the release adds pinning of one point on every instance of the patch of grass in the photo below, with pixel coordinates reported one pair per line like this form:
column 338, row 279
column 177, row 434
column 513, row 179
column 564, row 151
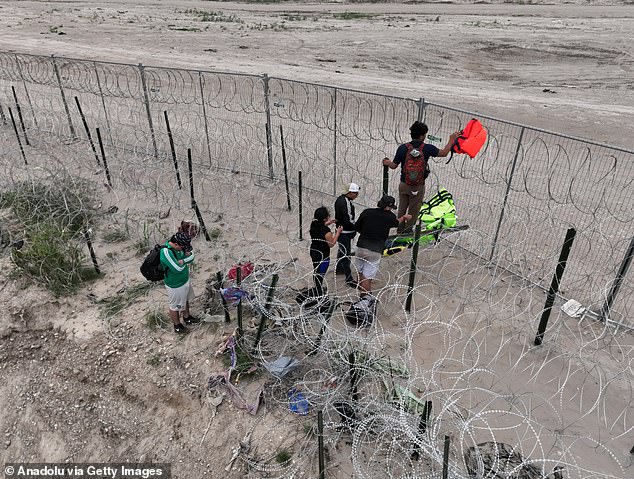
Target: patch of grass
column 294, row 18
column 310, row 429
column 185, row 29
column 283, row 456
column 154, row 360
column 205, row 16
column 215, row 233
column 116, row 235
column 53, row 214
column 156, row 319
column 244, row 361
column 52, row 259
column 66, row 201
column 353, row 15
column 113, row 305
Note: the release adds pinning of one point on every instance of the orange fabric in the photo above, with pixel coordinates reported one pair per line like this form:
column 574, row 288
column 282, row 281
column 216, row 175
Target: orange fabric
column 473, row 137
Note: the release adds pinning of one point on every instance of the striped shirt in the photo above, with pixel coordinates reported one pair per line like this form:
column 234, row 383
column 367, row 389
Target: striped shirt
column 176, row 275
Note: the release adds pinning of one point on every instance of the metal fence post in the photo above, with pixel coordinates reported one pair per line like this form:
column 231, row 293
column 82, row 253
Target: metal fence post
column 320, row 444
column 26, row 90
column 146, row 97
column 506, row 194
column 267, row 108
column 421, row 109
column 334, row 150
column 412, row 268
column 19, row 111
column 103, row 103
column 554, row 285
column 616, row 284
column 202, row 101
column 61, row 90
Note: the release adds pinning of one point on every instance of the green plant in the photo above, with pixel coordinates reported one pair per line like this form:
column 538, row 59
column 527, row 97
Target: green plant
column 154, row 360
column 283, row 456
column 185, row 29
column 352, row 15
column 142, row 246
column 156, row 319
column 65, row 200
column 116, row 235
column 53, row 258
column 244, row 361
column 215, row 233
column 113, row 305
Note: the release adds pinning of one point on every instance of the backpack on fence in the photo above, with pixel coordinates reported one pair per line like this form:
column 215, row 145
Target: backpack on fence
column 415, row 167
column 470, row 140
column 151, row 268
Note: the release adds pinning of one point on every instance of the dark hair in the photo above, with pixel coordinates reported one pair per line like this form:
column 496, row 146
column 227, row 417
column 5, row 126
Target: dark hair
column 321, row 214
column 386, row 201
column 182, row 239
column 418, row 129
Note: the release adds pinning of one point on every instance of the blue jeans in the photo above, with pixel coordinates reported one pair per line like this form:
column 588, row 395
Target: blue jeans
column 343, row 254
column 319, row 272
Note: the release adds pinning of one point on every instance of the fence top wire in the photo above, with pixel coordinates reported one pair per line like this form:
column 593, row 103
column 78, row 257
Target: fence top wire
column 351, row 90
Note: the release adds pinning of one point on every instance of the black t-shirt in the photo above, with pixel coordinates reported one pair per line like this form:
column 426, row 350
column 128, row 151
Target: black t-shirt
column 319, row 249
column 374, row 226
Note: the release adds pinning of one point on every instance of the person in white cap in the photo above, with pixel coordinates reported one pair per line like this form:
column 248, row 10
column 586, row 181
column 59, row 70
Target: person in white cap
column 345, row 217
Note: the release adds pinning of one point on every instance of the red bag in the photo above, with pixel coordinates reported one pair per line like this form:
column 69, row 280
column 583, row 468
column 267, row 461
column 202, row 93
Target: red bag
column 245, row 269
column 415, row 168
column 471, row 140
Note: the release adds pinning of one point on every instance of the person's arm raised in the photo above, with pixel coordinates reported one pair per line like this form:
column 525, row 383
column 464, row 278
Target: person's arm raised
column 445, row 151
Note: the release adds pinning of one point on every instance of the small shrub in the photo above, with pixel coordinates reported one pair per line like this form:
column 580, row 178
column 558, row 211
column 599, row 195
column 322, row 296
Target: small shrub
column 52, row 258
column 66, row 201
column 116, row 235
column 244, row 362
column 283, row 456
column 215, row 233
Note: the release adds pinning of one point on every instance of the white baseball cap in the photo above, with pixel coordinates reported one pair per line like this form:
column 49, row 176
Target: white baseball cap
column 353, row 188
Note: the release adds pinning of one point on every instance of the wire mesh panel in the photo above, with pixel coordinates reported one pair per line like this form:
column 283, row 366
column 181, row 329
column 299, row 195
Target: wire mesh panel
column 370, row 127
column 463, row 346
column 306, row 114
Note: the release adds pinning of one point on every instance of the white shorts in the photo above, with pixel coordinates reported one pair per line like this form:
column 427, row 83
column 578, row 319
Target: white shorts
column 177, row 298
column 367, row 262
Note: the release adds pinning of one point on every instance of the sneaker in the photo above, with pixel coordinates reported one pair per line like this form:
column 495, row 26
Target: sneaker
column 180, row 329
column 351, row 283
column 191, row 320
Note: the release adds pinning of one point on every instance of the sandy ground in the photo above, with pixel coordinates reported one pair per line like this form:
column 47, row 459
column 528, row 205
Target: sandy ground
column 561, row 67
column 79, row 384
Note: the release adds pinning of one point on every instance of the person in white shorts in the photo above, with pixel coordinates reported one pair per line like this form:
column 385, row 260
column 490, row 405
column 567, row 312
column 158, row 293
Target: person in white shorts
column 374, row 226
column 176, row 257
